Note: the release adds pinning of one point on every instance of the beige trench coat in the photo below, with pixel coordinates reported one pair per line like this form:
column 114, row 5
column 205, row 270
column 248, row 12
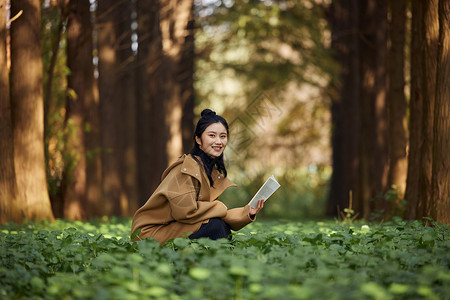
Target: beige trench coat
column 183, row 201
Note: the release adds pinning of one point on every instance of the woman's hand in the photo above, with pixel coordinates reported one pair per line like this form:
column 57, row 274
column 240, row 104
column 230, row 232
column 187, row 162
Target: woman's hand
column 254, row 211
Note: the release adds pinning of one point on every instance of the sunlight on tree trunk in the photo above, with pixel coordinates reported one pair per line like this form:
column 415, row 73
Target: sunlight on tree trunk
column 441, row 146
column 373, row 151
column 429, row 59
column 345, row 107
column 82, row 183
column 380, row 160
column 108, row 66
column 28, row 109
column 175, row 19
column 415, row 110
column 152, row 131
column 165, row 88
column 126, row 76
column 10, row 208
column 397, row 102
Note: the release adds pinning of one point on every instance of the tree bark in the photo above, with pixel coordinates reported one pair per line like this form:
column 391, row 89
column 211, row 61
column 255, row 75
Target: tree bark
column 108, row 13
column 397, row 102
column 177, row 43
column 345, row 107
column 28, row 109
column 380, row 160
column 151, row 95
column 441, row 138
column 367, row 38
column 10, row 208
column 429, row 61
column 415, row 110
column 186, row 79
column 128, row 130
column 373, row 147
column 81, row 181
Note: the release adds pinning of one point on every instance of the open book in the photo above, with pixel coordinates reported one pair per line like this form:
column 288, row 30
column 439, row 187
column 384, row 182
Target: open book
column 267, row 189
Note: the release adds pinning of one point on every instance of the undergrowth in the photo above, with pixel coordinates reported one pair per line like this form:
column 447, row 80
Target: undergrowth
column 265, row 260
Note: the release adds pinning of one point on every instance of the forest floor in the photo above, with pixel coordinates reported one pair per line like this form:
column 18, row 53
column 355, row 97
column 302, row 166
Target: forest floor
column 265, row 260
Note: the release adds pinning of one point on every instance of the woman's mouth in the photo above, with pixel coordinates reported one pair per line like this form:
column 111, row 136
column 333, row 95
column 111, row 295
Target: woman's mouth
column 217, row 148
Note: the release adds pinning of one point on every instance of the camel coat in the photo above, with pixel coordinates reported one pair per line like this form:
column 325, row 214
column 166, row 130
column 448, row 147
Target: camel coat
column 183, row 201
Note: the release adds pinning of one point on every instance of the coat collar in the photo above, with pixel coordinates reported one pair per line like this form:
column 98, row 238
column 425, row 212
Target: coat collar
column 191, row 167
column 221, row 183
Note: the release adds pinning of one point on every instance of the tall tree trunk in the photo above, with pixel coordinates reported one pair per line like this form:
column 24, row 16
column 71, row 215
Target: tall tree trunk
column 380, row 160
column 415, row 110
column 396, row 99
column 108, row 13
column 165, row 93
column 345, row 107
column 127, row 91
column 186, row 79
column 176, row 31
column 151, row 95
column 373, row 158
column 81, row 177
column 28, row 109
column 441, row 145
column 429, row 61
column 10, row 203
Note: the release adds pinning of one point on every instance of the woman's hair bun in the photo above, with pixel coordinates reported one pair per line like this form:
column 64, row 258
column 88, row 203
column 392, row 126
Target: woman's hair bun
column 208, row 112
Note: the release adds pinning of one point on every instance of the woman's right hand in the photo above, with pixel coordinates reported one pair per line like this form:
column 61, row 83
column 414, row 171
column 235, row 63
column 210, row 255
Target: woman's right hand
column 254, row 211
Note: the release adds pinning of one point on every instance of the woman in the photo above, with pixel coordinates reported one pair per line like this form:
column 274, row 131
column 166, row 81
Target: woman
column 186, row 201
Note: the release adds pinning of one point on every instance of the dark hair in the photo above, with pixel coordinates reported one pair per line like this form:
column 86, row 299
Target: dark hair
column 207, row 118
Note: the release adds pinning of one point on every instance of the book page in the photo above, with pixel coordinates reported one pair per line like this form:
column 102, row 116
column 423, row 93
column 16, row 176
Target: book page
column 266, row 190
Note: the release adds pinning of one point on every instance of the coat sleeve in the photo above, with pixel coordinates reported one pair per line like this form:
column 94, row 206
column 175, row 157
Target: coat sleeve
column 184, row 204
column 238, row 218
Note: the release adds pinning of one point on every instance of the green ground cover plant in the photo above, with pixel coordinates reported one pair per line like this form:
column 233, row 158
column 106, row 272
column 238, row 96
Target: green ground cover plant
column 265, row 260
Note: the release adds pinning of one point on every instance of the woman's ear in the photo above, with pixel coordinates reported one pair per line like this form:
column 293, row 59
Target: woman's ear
column 198, row 140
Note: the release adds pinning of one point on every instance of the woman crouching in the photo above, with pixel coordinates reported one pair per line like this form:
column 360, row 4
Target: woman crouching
column 186, row 204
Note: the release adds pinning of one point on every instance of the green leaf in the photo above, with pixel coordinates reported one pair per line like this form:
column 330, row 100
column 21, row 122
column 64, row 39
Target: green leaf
column 181, row 242
column 199, row 273
column 135, row 233
column 398, row 288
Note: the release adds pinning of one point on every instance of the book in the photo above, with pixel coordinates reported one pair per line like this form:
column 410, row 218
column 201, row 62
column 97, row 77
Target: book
column 265, row 191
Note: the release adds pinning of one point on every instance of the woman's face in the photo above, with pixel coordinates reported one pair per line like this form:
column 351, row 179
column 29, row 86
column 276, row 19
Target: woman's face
column 213, row 140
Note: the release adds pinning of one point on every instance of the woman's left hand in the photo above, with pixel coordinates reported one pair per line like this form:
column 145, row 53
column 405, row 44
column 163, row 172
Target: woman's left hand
column 254, row 211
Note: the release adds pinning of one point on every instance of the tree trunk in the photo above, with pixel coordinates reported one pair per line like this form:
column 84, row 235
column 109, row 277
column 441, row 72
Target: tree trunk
column 81, row 176
column 186, row 80
column 345, row 107
column 28, row 109
column 177, row 42
column 441, row 145
column 151, row 95
column 165, row 90
column 108, row 13
column 373, row 151
column 415, row 110
column 10, row 203
column 429, row 61
column 127, row 117
column 397, row 102
column 380, row 159
column 367, row 58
